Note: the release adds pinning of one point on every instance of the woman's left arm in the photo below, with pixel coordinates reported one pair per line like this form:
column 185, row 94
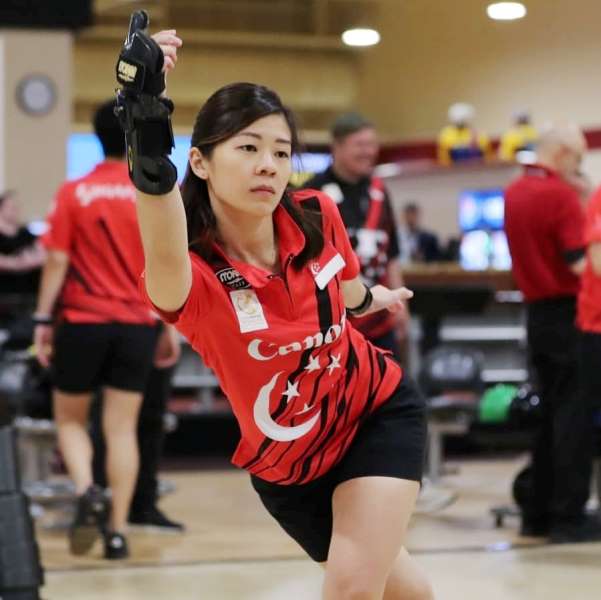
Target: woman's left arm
column 356, row 297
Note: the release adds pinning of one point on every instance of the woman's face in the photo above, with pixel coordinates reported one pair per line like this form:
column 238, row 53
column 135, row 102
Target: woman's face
column 249, row 172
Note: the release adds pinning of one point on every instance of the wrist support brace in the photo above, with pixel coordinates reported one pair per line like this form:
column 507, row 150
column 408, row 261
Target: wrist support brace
column 144, row 116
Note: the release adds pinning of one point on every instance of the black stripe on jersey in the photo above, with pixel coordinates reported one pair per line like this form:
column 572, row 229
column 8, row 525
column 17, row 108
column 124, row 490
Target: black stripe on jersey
column 89, row 281
column 259, row 455
column 345, row 403
column 382, row 367
column 352, row 370
column 306, row 462
column 124, row 265
column 322, row 297
column 317, row 453
column 372, row 392
column 72, row 271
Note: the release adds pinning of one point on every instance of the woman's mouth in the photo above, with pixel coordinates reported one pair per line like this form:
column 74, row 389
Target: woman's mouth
column 266, row 189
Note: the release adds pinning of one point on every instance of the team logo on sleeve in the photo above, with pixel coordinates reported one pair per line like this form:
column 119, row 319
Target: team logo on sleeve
column 232, row 279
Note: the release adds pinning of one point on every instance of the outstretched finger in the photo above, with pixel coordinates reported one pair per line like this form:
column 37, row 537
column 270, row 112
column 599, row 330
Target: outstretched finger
column 166, row 37
column 404, row 293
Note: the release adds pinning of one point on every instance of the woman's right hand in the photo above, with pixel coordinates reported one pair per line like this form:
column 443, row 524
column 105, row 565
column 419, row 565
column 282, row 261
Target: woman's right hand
column 43, row 338
column 169, row 43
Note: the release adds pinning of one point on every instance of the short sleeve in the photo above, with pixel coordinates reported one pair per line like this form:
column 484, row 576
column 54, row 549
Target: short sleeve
column 197, row 306
column 569, row 220
column 61, row 221
column 339, row 237
column 592, row 231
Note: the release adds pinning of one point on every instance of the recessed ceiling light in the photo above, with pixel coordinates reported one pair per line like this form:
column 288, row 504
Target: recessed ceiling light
column 506, row 11
column 360, row 37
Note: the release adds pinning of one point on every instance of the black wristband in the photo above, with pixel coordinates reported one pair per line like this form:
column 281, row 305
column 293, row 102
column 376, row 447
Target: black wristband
column 364, row 306
column 39, row 320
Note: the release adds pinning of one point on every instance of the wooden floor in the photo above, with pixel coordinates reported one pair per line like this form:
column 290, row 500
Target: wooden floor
column 233, row 550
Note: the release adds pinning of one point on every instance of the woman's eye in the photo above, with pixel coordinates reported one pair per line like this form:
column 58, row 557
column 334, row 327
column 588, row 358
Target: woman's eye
column 282, row 154
column 248, row 148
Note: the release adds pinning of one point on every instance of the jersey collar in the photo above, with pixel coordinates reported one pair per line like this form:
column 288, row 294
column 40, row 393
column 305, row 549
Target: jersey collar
column 290, row 239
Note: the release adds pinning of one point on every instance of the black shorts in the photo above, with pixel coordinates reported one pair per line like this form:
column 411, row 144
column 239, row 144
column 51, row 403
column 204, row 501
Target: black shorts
column 391, row 443
column 89, row 355
column 590, row 373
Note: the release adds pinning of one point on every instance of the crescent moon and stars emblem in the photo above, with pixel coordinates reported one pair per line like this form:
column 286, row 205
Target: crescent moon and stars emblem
column 262, row 414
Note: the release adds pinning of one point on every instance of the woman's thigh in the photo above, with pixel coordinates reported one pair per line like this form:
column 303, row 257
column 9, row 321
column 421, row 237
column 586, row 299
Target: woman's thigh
column 370, row 519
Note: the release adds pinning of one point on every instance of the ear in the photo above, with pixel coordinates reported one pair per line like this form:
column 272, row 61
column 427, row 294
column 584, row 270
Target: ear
column 198, row 163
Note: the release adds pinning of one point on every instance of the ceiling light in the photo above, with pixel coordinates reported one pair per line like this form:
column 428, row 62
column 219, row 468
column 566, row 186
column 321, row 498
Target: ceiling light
column 506, row 11
column 360, row 37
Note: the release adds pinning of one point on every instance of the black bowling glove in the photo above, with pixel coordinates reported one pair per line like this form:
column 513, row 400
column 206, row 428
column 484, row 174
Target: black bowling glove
column 140, row 65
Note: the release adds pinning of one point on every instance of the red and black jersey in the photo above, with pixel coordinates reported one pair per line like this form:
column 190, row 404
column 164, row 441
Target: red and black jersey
column 367, row 214
column 544, row 223
column 93, row 220
column 299, row 377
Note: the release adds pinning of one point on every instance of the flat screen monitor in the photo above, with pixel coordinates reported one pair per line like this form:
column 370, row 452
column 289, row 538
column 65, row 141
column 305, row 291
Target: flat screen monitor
column 474, row 250
column 500, row 258
column 481, row 209
column 481, row 249
column 84, row 152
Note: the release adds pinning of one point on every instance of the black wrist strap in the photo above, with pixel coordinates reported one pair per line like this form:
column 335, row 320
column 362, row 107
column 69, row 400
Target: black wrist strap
column 365, row 304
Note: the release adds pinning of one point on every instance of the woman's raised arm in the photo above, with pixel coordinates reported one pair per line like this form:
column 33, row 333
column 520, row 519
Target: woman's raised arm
column 145, row 114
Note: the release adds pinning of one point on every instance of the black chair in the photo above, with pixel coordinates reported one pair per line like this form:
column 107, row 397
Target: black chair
column 451, row 380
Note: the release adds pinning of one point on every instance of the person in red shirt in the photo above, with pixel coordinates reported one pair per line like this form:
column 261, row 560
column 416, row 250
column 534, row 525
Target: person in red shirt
column 589, row 307
column 96, row 330
column 544, row 224
column 260, row 281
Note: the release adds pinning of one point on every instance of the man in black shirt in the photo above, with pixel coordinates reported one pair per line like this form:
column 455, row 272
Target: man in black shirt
column 21, row 258
column 367, row 214
column 20, row 251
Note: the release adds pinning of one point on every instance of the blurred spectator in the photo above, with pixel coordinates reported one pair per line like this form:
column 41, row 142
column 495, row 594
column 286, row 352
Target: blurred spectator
column 367, row 214
column 544, row 221
column 94, row 328
column 416, row 244
column 521, row 136
column 20, row 250
column 589, row 308
column 459, row 141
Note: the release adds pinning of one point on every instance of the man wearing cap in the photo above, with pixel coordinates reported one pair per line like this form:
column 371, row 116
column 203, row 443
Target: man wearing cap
column 367, row 214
